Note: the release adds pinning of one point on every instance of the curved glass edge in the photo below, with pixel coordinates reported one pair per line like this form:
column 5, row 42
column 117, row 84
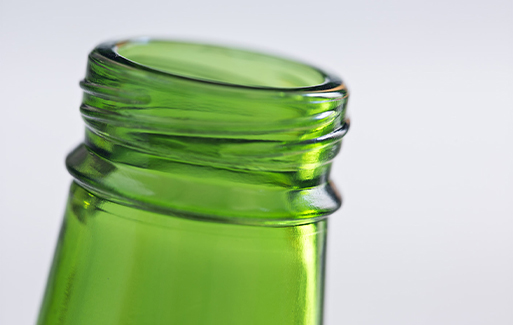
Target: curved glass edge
column 109, row 51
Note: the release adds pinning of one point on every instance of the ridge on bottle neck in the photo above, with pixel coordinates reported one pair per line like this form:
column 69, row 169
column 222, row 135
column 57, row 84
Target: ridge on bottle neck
column 159, row 126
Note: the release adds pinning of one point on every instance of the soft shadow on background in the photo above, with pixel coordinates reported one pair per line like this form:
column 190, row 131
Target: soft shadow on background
column 426, row 171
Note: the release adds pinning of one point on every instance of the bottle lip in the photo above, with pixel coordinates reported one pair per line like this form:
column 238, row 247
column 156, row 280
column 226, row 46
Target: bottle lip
column 110, row 50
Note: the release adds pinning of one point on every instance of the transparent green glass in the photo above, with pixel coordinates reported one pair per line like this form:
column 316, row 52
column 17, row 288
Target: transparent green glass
column 201, row 191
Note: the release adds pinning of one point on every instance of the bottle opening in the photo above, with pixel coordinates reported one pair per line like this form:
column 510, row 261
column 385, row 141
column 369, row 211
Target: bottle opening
column 220, row 64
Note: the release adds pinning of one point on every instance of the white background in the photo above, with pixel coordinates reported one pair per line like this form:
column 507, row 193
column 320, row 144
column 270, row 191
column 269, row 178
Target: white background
column 425, row 235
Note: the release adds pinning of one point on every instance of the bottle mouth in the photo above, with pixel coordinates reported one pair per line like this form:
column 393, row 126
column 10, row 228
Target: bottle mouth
column 199, row 91
column 218, row 65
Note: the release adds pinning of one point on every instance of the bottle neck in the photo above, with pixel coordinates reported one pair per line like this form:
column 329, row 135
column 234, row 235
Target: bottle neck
column 208, row 150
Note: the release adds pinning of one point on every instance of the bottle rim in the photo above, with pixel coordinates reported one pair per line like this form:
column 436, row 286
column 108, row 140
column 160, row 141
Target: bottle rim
column 111, row 51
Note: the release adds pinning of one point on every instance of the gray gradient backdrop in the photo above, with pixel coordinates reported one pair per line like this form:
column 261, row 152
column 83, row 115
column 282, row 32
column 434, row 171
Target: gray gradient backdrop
column 425, row 235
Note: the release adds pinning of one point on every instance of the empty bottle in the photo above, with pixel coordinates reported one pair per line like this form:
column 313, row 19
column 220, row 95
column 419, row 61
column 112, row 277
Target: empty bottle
column 201, row 190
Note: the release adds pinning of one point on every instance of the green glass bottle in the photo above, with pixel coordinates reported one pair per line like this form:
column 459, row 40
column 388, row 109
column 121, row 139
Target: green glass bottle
column 201, row 191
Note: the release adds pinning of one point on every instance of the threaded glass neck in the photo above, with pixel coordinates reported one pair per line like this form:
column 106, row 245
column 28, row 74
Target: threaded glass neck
column 253, row 134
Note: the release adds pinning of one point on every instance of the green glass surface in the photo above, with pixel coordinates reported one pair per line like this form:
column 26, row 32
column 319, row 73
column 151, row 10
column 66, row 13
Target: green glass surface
column 201, row 191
